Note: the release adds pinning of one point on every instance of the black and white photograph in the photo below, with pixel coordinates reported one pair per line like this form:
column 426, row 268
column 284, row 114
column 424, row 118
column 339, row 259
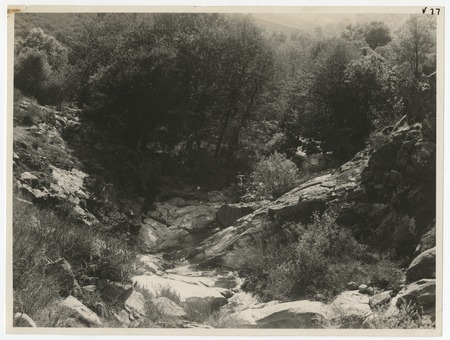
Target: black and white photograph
column 202, row 170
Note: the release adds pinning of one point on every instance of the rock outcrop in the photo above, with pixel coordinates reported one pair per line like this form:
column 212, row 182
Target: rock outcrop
column 419, row 296
column 84, row 314
column 423, row 266
column 380, row 300
column 386, row 196
column 299, row 204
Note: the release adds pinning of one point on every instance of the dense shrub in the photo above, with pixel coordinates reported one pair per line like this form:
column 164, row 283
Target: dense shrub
column 276, row 175
column 407, row 318
column 28, row 116
column 40, row 67
column 295, row 261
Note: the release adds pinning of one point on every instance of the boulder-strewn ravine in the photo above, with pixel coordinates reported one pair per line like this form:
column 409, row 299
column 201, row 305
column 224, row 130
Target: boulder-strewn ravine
column 187, row 239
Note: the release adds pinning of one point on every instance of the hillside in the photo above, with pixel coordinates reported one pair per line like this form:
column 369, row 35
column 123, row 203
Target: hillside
column 114, row 240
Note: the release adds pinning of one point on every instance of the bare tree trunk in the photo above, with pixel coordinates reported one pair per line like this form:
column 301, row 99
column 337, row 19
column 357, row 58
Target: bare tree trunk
column 222, row 134
column 245, row 116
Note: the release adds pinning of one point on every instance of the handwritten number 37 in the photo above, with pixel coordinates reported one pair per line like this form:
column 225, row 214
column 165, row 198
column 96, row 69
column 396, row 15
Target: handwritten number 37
column 438, row 10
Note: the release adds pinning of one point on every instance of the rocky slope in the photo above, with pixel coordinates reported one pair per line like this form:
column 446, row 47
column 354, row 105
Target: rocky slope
column 186, row 239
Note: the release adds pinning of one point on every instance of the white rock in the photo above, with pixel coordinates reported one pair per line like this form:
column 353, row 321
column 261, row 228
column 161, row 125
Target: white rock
column 297, row 314
column 135, row 304
column 351, row 304
column 28, row 177
column 186, row 291
column 83, row 313
column 68, row 182
column 168, row 307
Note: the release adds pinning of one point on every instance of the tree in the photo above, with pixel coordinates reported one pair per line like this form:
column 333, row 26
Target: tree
column 377, row 34
column 41, row 66
column 415, row 56
column 332, row 111
column 415, row 45
column 31, row 71
column 372, row 87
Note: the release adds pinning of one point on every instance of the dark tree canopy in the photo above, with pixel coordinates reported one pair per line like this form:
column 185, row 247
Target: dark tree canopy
column 218, row 92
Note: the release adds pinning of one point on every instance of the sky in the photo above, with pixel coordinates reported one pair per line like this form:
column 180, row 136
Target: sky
column 308, row 21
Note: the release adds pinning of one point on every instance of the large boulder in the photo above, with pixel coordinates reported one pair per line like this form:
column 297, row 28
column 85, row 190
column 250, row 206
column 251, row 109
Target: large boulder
column 187, row 292
column 380, row 300
column 297, row 314
column 168, row 307
column 168, row 223
column 135, row 304
column 423, row 266
column 115, row 293
column 419, row 295
column 427, row 241
column 155, row 236
column 190, row 215
column 83, row 313
column 29, row 178
column 192, row 218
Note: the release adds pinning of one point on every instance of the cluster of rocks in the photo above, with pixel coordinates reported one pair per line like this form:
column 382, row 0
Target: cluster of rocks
column 190, row 288
column 374, row 188
column 400, row 186
column 386, row 196
column 357, row 307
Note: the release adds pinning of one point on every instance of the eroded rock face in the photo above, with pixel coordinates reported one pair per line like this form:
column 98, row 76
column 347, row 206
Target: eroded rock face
column 169, row 223
column 297, row 314
column 386, row 196
column 423, row 266
column 401, row 175
column 297, row 204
